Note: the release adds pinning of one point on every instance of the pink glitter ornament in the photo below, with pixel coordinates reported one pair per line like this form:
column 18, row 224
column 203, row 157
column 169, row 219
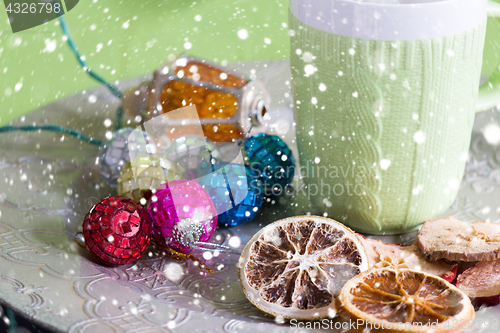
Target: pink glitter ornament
column 183, row 215
column 117, row 230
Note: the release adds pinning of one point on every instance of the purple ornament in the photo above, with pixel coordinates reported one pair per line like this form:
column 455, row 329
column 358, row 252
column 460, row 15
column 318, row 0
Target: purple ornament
column 183, row 214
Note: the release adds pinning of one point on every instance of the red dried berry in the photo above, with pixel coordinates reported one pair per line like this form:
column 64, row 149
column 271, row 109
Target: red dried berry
column 450, row 275
column 117, row 230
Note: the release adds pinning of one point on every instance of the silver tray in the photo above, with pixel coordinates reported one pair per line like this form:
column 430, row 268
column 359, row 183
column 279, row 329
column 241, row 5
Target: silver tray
column 49, row 181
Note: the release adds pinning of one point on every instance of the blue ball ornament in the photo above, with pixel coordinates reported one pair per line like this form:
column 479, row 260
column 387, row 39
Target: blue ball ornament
column 270, row 156
column 236, row 191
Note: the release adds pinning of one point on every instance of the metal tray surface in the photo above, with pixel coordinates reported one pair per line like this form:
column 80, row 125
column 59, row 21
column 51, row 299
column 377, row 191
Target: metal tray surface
column 49, row 182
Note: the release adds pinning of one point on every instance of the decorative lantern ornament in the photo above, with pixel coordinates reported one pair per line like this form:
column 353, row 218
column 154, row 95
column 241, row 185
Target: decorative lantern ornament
column 114, row 153
column 228, row 104
column 117, row 230
column 183, row 215
column 144, row 174
column 195, row 155
column 237, row 193
column 270, row 156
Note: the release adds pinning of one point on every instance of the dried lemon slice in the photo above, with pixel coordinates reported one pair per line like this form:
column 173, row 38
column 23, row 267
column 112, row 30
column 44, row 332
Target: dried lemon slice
column 406, row 301
column 296, row 266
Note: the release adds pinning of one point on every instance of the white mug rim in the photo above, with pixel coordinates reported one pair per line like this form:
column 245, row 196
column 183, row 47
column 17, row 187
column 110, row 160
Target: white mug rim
column 390, row 21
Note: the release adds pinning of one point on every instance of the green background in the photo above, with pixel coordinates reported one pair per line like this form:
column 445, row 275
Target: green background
column 123, row 39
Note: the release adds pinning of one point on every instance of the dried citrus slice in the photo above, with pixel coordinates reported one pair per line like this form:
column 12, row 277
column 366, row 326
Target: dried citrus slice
column 454, row 240
column 294, row 267
column 407, row 301
column 481, row 282
column 393, row 254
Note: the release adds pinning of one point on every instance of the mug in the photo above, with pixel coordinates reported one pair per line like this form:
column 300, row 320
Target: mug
column 385, row 93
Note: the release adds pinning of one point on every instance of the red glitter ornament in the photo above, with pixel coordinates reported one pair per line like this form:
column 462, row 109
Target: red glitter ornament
column 117, row 230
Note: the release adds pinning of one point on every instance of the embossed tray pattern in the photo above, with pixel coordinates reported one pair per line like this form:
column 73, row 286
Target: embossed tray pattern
column 49, row 181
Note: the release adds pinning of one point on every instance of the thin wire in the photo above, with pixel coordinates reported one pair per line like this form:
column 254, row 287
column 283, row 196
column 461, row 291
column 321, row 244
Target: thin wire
column 119, row 116
column 189, row 256
column 228, row 187
column 249, row 130
column 216, row 247
column 51, row 128
column 225, row 178
column 12, row 319
column 247, row 136
column 81, row 60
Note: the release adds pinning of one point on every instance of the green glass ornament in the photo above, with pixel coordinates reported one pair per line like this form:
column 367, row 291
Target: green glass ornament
column 143, row 175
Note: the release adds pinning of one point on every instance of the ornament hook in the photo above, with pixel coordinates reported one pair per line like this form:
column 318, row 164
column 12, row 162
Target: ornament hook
column 188, row 232
column 205, row 246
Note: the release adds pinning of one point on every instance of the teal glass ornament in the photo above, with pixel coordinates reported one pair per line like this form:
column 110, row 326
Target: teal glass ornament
column 270, row 156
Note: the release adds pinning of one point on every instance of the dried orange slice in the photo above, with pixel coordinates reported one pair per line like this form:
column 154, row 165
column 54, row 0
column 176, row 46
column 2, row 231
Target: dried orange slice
column 294, row 267
column 406, row 301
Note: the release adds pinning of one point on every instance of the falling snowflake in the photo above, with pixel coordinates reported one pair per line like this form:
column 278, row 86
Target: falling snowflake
column 243, row 33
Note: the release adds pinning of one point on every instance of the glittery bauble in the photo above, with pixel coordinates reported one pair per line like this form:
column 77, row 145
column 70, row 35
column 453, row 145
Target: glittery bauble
column 193, row 154
column 144, row 174
column 182, row 213
column 114, row 153
column 117, row 230
column 270, row 156
column 237, row 193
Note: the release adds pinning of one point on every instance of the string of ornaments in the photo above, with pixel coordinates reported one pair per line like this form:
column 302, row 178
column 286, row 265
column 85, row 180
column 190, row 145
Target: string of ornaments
column 183, row 213
column 157, row 197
